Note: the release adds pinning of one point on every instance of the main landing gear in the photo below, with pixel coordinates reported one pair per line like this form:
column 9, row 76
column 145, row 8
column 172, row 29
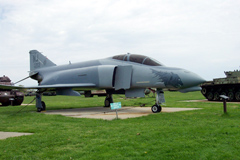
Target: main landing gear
column 41, row 106
column 159, row 100
column 108, row 100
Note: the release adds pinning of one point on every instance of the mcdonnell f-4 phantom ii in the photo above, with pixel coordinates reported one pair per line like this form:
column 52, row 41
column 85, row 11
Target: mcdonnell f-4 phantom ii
column 128, row 74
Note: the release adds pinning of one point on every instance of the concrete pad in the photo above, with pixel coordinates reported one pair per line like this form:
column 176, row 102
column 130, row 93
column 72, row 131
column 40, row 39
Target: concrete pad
column 108, row 114
column 5, row 135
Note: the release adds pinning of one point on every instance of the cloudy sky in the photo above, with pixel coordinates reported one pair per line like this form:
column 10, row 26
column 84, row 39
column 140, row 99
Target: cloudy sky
column 202, row 36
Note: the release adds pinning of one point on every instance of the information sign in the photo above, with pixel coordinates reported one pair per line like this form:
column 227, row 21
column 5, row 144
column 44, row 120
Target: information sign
column 116, row 105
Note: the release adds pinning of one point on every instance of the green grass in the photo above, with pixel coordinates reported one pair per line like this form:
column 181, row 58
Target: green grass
column 200, row 134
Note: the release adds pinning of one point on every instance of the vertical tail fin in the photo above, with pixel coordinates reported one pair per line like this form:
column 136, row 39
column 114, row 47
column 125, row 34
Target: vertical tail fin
column 37, row 60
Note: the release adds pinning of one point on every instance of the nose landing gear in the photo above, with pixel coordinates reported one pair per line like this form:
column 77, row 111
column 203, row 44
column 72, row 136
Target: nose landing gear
column 156, row 108
column 108, row 100
column 159, row 100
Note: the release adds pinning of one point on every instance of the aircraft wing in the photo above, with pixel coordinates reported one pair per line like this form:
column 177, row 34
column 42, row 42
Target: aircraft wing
column 61, row 89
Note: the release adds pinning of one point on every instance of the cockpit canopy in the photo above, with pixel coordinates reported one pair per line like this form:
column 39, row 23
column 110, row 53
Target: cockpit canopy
column 138, row 59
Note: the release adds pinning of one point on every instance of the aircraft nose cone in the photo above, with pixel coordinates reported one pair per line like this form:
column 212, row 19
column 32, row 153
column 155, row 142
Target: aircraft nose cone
column 190, row 79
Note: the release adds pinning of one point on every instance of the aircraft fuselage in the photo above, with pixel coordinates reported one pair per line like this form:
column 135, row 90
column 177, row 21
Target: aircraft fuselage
column 115, row 74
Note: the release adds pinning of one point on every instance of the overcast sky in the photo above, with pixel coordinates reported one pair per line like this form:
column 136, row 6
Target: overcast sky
column 202, row 36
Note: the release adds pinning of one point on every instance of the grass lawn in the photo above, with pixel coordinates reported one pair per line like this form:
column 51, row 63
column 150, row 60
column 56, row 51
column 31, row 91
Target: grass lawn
column 199, row 134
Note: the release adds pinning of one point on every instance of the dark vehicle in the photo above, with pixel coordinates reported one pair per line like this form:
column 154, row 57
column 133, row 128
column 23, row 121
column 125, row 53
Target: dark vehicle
column 229, row 86
column 92, row 93
column 30, row 93
column 9, row 96
column 49, row 93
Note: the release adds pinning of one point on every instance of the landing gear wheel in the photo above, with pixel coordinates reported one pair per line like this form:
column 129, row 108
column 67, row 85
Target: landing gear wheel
column 156, row 108
column 43, row 106
column 107, row 102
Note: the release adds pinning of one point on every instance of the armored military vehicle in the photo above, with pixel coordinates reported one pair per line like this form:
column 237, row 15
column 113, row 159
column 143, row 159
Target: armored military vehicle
column 229, row 86
column 8, row 96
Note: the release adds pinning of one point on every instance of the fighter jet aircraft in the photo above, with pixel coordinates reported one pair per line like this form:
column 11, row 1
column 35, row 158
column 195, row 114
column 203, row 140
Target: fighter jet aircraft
column 128, row 74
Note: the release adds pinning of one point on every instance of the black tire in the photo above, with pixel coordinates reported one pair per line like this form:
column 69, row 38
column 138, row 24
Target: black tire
column 18, row 101
column 156, row 108
column 231, row 96
column 159, row 108
column 107, row 102
column 88, row 94
column 237, row 96
column 43, row 106
column 204, row 91
column 216, row 96
column 210, row 96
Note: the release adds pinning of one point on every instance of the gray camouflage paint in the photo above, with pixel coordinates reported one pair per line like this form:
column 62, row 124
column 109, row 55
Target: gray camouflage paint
column 100, row 74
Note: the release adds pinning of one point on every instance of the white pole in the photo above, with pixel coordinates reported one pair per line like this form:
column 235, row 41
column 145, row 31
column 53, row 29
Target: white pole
column 116, row 114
